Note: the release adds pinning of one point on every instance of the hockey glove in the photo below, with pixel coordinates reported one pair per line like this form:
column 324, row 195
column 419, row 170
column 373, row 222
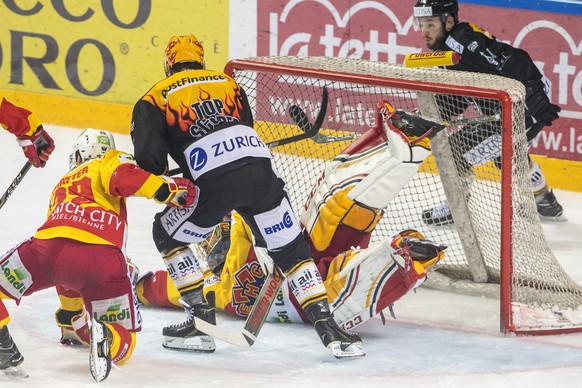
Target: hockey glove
column 37, row 147
column 176, row 192
column 412, row 243
column 538, row 104
column 414, row 125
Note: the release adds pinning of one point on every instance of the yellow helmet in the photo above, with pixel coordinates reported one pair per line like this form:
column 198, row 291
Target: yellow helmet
column 183, row 48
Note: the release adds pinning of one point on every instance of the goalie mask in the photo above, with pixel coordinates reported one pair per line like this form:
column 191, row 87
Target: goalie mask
column 90, row 144
column 183, row 49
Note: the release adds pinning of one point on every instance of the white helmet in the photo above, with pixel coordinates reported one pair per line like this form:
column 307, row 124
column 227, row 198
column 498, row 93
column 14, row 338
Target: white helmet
column 90, row 144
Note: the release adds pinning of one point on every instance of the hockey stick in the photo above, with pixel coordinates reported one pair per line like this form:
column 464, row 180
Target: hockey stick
column 473, row 120
column 15, row 183
column 301, row 119
column 248, row 335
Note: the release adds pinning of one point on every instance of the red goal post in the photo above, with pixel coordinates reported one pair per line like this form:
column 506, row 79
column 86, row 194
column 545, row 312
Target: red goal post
column 496, row 244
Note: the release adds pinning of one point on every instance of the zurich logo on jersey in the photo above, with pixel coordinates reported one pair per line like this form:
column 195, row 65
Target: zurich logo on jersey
column 285, row 224
column 198, row 159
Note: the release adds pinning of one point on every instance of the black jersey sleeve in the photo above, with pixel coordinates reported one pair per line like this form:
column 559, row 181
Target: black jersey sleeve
column 149, row 137
column 482, row 52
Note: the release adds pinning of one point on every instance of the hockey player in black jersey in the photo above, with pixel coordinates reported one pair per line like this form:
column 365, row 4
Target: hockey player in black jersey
column 438, row 22
column 206, row 126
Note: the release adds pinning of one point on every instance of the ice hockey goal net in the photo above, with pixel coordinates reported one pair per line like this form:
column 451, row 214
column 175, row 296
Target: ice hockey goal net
column 496, row 244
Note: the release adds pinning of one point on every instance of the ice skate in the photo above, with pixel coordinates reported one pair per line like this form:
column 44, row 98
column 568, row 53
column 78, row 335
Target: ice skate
column 185, row 336
column 10, row 356
column 548, row 206
column 343, row 344
column 439, row 215
column 100, row 350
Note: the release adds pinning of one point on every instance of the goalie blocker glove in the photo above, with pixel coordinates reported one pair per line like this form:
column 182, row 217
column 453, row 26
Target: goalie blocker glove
column 177, row 192
column 538, row 104
column 37, row 147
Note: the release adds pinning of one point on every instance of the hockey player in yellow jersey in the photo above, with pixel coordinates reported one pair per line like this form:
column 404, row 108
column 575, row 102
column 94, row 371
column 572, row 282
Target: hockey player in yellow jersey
column 81, row 248
column 202, row 119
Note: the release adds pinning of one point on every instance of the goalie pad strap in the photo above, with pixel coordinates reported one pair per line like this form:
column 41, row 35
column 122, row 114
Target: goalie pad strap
column 362, row 217
column 362, row 283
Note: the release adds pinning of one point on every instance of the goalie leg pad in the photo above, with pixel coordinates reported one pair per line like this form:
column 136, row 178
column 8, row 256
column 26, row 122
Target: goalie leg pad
column 341, row 210
column 362, row 283
column 122, row 343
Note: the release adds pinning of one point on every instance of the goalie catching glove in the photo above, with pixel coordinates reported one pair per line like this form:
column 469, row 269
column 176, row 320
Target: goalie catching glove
column 177, row 192
column 413, row 126
column 412, row 243
column 37, row 147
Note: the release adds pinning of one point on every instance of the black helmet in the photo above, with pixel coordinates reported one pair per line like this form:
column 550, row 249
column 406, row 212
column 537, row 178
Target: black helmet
column 424, row 8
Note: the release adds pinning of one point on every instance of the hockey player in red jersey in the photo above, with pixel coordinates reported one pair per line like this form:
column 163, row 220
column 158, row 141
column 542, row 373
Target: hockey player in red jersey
column 81, row 247
column 36, row 144
column 341, row 214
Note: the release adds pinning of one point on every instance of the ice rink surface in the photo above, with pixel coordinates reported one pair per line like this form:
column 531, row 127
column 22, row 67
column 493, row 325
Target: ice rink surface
column 439, row 339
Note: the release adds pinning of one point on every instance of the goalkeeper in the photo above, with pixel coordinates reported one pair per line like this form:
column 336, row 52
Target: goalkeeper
column 438, row 22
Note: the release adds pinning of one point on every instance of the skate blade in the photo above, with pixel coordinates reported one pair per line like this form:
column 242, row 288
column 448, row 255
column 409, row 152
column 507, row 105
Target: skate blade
column 15, row 371
column 560, row 218
column 198, row 344
column 99, row 364
column 354, row 350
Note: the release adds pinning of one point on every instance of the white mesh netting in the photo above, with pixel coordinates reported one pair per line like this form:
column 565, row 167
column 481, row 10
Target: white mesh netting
column 542, row 296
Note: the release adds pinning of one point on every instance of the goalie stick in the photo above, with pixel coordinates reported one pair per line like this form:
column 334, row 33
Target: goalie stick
column 473, row 120
column 300, row 118
column 15, row 183
column 256, row 318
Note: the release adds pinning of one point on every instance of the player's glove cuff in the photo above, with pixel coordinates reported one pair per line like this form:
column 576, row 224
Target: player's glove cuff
column 177, row 192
